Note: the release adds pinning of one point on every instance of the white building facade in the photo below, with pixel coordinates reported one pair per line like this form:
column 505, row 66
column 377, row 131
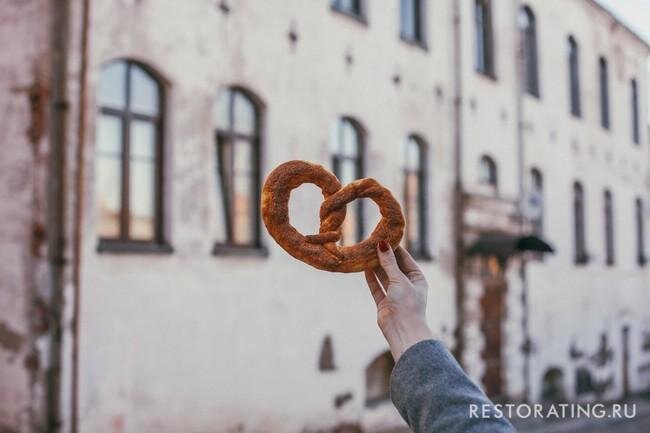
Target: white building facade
column 181, row 312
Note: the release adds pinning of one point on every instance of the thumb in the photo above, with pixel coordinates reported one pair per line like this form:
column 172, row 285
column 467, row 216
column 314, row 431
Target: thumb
column 388, row 262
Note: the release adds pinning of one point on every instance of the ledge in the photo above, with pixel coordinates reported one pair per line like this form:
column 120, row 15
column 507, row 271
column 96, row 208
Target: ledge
column 119, row 246
column 232, row 250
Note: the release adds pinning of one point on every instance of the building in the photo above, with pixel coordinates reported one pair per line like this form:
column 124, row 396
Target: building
column 140, row 132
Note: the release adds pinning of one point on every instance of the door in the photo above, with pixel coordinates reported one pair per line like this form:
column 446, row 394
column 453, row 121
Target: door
column 492, row 313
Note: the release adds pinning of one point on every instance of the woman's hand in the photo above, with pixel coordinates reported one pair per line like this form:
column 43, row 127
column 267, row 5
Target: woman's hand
column 400, row 290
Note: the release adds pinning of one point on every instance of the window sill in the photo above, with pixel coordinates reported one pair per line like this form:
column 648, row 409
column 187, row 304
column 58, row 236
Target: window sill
column 232, row 250
column 414, row 42
column 361, row 19
column 490, row 75
column 119, row 246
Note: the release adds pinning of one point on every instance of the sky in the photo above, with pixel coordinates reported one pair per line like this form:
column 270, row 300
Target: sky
column 634, row 13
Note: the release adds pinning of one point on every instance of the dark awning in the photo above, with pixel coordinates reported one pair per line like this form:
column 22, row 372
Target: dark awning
column 504, row 245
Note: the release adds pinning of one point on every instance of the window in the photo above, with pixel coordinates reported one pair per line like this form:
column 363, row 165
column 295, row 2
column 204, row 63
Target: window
column 537, row 199
column 487, row 173
column 238, row 137
column 528, row 48
column 635, row 111
column 378, row 379
column 640, row 233
column 604, row 93
column 484, row 38
column 581, row 256
column 347, row 162
column 353, row 8
column 574, row 77
column 415, row 197
column 128, row 174
column 412, row 20
column 609, row 228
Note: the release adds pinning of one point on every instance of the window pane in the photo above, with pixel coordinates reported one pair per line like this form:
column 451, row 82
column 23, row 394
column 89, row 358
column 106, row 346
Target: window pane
column 244, row 115
column 349, row 145
column 144, row 92
column 243, row 194
column 142, row 174
column 412, row 154
column 348, row 173
column 413, row 210
column 108, row 175
column 112, row 86
column 408, row 18
column 143, row 140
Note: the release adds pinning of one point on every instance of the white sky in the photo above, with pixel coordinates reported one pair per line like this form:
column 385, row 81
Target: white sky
column 634, row 13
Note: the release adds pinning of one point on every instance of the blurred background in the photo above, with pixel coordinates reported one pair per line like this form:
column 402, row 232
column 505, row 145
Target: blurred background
column 141, row 292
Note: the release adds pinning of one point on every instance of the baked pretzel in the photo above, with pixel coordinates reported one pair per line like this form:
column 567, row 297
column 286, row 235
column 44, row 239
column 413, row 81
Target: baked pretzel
column 321, row 251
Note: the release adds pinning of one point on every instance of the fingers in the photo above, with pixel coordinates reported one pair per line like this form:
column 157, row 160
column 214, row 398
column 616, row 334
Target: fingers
column 388, row 262
column 375, row 289
column 408, row 265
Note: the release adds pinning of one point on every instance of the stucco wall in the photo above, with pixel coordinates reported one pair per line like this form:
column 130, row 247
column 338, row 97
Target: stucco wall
column 191, row 342
column 23, row 105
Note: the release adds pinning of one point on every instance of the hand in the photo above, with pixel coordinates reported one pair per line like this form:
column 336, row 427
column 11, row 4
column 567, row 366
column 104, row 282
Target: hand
column 400, row 291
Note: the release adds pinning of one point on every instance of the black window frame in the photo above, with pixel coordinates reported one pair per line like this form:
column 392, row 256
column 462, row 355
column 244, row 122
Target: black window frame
column 530, row 53
column 224, row 136
column 537, row 184
column 338, row 158
column 610, row 241
column 581, row 256
column 603, row 85
column 124, row 243
column 642, row 259
column 573, row 59
column 422, row 173
column 358, row 11
column 419, row 36
column 634, row 99
column 484, row 40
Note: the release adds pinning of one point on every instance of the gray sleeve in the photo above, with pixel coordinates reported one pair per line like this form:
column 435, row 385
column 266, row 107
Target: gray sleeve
column 433, row 394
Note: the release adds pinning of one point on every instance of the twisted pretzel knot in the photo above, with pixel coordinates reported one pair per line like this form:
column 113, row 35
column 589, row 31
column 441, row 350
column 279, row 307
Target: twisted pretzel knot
column 321, row 250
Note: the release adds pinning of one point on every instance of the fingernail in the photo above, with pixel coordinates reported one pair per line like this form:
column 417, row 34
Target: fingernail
column 383, row 246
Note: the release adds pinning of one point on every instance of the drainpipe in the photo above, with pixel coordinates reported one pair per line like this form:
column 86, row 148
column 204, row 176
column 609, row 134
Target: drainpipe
column 78, row 216
column 519, row 119
column 56, row 207
column 458, row 196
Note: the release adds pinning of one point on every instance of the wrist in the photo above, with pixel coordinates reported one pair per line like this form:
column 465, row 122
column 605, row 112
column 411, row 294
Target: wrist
column 404, row 333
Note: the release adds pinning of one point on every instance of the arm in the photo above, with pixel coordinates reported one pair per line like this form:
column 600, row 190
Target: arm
column 428, row 387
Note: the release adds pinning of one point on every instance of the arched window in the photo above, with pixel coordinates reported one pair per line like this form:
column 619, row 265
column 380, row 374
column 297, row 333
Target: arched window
column 604, row 92
column 347, row 164
column 581, row 256
column 354, row 8
column 412, row 20
column 634, row 99
column 640, row 232
column 484, row 38
column 128, row 175
column 537, row 190
column 487, row 173
column 574, row 76
column 609, row 228
column 378, row 379
column 238, row 138
column 415, row 196
column 528, row 29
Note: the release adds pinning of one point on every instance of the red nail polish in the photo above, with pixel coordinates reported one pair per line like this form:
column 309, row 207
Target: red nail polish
column 383, row 246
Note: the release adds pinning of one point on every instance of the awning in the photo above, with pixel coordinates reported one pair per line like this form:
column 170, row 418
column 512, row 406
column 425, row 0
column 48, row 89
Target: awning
column 503, row 245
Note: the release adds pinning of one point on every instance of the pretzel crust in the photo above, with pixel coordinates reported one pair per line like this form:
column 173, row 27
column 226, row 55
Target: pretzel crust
column 322, row 251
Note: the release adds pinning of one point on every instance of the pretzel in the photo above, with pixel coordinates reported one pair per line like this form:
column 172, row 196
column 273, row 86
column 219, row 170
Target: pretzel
column 321, row 250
